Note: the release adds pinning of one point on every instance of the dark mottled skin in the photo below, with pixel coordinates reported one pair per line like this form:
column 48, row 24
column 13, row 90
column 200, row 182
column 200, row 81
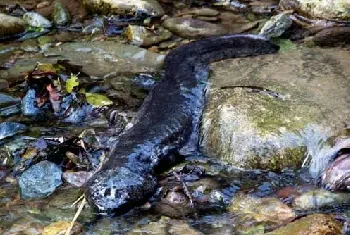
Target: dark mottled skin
column 167, row 121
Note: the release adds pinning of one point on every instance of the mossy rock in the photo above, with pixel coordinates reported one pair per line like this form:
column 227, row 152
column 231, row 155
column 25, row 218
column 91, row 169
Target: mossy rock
column 324, row 9
column 269, row 111
column 316, row 224
column 106, row 7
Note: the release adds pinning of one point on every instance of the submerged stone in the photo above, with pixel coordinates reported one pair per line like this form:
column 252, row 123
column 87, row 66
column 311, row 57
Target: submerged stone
column 320, row 199
column 270, row 111
column 192, row 28
column 316, row 224
column 254, row 211
column 165, row 226
column 40, row 180
column 100, row 59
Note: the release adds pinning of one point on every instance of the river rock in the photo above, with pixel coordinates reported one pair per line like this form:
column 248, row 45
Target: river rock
column 165, row 226
column 333, row 36
column 61, row 15
column 36, row 20
column 10, row 25
column 269, row 111
column 268, row 211
column 324, row 9
column 316, row 224
column 40, row 180
column 8, row 129
column 59, row 207
column 98, row 59
column 320, row 198
column 5, row 99
column 192, row 28
column 140, row 36
column 337, row 176
column 276, row 26
column 77, row 178
column 149, row 7
column 60, row 227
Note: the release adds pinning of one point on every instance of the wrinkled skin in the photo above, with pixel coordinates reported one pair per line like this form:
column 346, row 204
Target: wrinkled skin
column 337, row 176
column 167, row 121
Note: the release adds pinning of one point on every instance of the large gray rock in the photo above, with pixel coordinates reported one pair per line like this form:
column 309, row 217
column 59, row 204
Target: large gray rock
column 192, row 28
column 325, row 9
column 98, row 59
column 150, row 7
column 270, row 111
column 10, row 25
column 40, row 180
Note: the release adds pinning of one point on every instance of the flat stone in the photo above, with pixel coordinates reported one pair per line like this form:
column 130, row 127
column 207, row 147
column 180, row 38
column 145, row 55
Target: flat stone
column 106, row 7
column 192, row 28
column 98, row 59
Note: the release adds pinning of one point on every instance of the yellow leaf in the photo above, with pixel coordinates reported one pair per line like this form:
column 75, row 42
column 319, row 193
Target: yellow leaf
column 71, row 83
column 97, row 100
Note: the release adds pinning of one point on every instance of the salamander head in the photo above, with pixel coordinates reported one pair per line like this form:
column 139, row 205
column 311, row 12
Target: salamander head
column 118, row 190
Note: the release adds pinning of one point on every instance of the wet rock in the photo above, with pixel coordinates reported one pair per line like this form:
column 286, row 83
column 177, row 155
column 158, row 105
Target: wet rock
column 40, row 180
column 30, row 46
column 8, row 129
column 192, row 28
column 316, row 224
column 107, row 7
column 140, row 36
column 59, row 207
column 263, row 112
column 95, row 26
column 10, row 26
column 5, row 99
column 107, row 59
column 29, row 106
column 263, row 7
column 145, row 81
column 25, row 227
column 61, row 227
column 36, row 20
column 325, row 9
column 165, row 226
column 175, row 204
column 276, row 26
column 253, row 211
column 320, row 199
column 334, row 36
column 61, row 16
column 201, row 12
column 337, row 176
column 78, row 178
column 10, row 110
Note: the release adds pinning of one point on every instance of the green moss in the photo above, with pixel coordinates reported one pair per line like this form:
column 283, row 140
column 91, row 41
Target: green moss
column 286, row 45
